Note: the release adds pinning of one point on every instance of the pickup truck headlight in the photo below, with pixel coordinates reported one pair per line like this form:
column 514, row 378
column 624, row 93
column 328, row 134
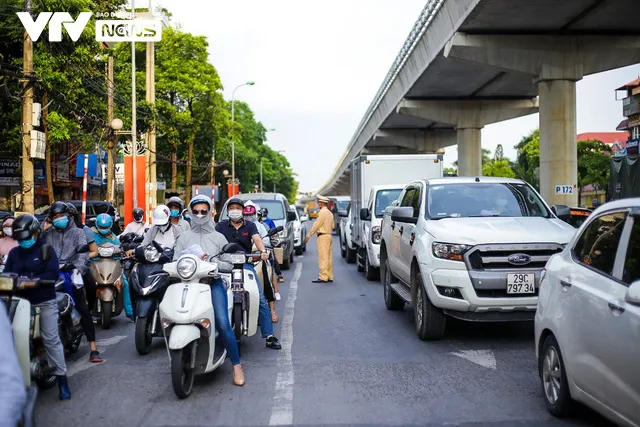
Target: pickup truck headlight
column 450, row 251
column 376, row 234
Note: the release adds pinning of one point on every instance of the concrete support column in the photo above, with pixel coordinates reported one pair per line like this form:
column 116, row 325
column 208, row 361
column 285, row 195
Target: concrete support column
column 558, row 151
column 470, row 152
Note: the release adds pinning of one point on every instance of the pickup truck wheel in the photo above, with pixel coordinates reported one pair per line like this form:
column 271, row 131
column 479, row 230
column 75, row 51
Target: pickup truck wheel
column 343, row 248
column 430, row 320
column 351, row 255
column 391, row 300
column 371, row 273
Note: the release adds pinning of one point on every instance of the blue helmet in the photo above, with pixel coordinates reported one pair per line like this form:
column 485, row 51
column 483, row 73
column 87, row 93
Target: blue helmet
column 104, row 223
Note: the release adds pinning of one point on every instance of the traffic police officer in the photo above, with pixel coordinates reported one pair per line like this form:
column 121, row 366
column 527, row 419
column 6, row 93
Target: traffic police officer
column 323, row 227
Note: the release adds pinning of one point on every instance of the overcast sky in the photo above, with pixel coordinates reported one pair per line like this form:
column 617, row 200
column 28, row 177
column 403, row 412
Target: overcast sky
column 318, row 65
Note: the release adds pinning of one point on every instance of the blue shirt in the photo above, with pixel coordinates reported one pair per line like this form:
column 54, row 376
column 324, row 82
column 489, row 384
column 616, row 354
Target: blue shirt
column 242, row 236
column 26, row 262
column 269, row 222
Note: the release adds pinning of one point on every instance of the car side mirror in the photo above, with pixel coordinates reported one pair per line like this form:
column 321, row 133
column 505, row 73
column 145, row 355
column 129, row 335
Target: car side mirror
column 342, row 213
column 304, row 218
column 275, row 231
column 633, row 293
column 562, row 212
column 403, row 214
column 46, row 252
column 82, row 249
column 291, row 216
column 230, row 248
column 365, row 215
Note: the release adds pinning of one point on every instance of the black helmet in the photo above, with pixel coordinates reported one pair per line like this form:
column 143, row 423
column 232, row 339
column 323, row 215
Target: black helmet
column 265, row 212
column 138, row 214
column 58, row 208
column 73, row 211
column 24, row 226
column 175, row 200
column 235, row 201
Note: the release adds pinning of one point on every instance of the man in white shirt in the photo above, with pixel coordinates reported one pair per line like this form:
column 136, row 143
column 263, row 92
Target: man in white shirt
column 137, row 226
column 163, row 231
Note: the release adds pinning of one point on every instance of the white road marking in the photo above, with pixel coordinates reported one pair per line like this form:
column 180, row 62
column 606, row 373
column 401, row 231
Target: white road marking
column 484, row 358
column 84, row 364
column 282, row 409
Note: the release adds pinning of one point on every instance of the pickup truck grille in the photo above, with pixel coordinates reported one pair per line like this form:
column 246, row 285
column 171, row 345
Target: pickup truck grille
column 497, row 257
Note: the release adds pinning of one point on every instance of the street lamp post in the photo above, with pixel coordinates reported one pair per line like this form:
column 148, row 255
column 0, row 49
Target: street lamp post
column 268, row 130
column 233, row 143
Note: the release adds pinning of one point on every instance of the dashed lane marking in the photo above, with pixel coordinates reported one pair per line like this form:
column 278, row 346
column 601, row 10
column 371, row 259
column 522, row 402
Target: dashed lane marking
column 484, row 358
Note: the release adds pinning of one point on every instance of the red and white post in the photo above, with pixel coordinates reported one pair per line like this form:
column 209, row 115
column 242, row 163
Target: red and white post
column 85, row 178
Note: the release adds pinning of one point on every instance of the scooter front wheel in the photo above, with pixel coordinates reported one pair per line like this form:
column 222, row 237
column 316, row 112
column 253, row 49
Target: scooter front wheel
column 182, row 375
column 143, row 336
column 105, row 315
column 237, row 320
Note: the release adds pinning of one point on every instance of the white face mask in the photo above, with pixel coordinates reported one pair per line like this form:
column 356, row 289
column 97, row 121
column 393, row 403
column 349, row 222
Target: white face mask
column 7, row 231
column 235, row 215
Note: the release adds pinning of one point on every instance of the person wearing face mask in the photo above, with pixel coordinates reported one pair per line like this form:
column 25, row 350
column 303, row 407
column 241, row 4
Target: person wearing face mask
column 500, row 203
column 6, row 242
column 64, row 236
column 204, row 234
column 245, row 234
column 24, row 260
column 137, row 226
column 102, row 234
column 163, row 231
column 176, row 206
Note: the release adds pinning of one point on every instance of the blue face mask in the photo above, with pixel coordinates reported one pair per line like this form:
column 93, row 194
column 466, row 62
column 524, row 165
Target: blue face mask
column 26, row 244
column 175, row 213
column 61, row 222
column 104, row 231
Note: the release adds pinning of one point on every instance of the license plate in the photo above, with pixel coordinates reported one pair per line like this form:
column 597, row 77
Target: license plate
column 521, row 283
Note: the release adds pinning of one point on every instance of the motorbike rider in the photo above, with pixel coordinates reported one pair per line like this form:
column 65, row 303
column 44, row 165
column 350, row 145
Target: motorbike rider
column 163, row 231
column 102, row 234
column 25, row 260
column 7, row 242
column 250, row 214
column 65, row 237
column 204, row 234
column 245, row 234
column 137, row 226
column 13, row 394
column 176, row 206
column 266, row 219
column 276, row 265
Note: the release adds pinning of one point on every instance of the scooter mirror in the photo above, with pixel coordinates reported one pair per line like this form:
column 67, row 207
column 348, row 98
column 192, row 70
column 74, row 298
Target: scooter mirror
column 275, row 231
column 82, row 249
column 46, row 252
column 230, row 248
column 138, row 239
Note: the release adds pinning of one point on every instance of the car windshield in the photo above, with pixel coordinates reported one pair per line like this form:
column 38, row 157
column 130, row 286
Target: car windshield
column 342, row 205
column 275, row 208
column 384, row 198
column 484, row 199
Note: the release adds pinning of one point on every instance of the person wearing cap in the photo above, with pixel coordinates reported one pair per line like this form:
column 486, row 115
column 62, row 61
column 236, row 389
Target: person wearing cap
column 163, row 231
column 176, row 206
column 7, row 242
column 204, row 234
column 323, row 227
column 245, row 234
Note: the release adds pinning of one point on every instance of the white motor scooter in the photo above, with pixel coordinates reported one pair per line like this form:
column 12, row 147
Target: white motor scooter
column 188, row 321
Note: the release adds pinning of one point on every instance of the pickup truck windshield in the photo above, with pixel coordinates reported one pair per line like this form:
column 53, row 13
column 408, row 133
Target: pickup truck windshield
column 384, row 198
column 482, row 200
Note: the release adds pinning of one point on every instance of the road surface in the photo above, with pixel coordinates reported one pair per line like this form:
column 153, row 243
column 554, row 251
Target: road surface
column 346, row 360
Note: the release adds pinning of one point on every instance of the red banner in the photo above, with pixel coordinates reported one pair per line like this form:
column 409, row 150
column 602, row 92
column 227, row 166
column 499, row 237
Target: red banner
column 232, row 191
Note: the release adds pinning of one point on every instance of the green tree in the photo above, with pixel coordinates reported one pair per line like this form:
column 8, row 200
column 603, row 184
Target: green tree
column 527, row 164
column 498, row 166
column 593, row 165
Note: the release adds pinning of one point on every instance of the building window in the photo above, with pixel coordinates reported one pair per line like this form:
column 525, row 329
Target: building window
column 635, row 132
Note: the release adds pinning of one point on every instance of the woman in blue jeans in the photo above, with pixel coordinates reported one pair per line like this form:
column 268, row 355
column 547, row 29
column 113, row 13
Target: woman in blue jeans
column 204, row 234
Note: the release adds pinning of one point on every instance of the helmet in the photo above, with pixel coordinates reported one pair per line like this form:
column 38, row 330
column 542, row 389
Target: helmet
column 73, row 212
column 235, row 201
column 58, row 208
column 25, row 226
column 161, row 215
column 249, row 209
column 265, row 212
column 175, row 200
column 138, row 214
column 104, row 221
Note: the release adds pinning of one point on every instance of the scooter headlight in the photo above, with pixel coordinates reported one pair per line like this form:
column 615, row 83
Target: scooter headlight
column 151, row 254
column 187, row 268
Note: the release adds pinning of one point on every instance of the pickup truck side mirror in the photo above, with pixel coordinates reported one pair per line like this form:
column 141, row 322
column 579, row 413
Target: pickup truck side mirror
column 365, row 215
column 403, row 214
column 562, row 212
column 633, row 293
column 291, row 216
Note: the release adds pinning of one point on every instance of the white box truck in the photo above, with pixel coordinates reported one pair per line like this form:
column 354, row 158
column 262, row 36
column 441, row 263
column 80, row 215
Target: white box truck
column 368, row 171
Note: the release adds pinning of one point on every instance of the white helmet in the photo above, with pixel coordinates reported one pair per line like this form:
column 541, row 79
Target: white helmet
column 161, row 215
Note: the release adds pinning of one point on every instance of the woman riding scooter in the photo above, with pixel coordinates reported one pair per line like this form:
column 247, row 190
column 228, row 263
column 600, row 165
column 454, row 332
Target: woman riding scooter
column 204, row 234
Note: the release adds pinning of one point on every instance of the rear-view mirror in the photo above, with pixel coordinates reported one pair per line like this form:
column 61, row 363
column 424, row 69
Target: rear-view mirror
column 127, row 238
column 82, row 249
column 633, row 293
column 365, row 215
column 138, row 239
column 275, row 231
column 91, row 222
column 304, row 218
column 230, row 248
column 403, row 214
column 562, row 212
column 46, row 252
column 291, row 216
column 342, row 213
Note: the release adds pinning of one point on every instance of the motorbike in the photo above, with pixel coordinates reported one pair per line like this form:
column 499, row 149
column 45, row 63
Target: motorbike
column 129, row 241
column 188, row 321
column 107, row 273
column 69, row 327
column 149, row 282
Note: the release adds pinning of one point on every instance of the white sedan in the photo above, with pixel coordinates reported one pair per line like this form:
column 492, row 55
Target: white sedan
column 587, row 325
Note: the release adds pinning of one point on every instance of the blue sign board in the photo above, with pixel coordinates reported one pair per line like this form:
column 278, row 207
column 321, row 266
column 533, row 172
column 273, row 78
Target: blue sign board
column 92, row 170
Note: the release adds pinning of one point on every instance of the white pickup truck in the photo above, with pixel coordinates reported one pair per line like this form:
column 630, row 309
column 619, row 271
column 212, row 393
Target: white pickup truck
column 469, row 248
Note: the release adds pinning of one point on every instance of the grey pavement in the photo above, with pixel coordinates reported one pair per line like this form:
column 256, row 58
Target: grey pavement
column 350, row 363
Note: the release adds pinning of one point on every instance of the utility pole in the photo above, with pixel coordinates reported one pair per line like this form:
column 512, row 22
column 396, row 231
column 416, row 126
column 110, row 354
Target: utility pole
column 134, row 130
column 27, row 117
column 261, row 175
column 151, row 138
column 111, row 144
column 213, row 174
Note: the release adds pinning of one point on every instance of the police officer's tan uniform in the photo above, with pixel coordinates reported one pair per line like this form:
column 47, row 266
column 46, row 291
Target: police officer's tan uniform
column 323, row 228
